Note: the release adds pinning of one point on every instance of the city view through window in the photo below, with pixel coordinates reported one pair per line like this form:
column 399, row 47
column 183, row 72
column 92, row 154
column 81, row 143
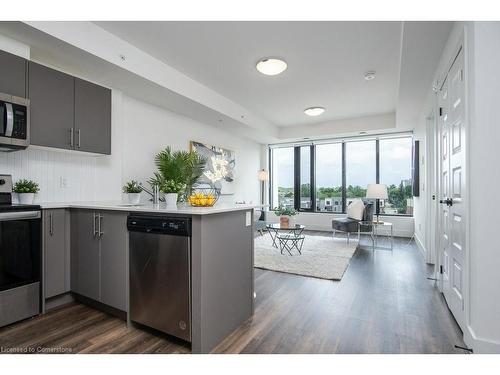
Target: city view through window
column 360, row 170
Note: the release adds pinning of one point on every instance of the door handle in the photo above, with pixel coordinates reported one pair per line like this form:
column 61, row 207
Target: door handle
column 100, row 225
column 78, row 132
column 447, row 201
column 71, row 138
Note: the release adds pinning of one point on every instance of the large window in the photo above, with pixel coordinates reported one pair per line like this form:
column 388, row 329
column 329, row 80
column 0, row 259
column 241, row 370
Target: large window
column 361, row 168
column 327, row 177
column 395, row 172
column 283, row 177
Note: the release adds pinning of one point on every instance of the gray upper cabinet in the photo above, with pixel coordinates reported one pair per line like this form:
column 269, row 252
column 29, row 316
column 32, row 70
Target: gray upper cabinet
column 56, row 252
column 84, row 254
column 113, row 239
column 51, row 96
column 12, row 74
column 92, row 117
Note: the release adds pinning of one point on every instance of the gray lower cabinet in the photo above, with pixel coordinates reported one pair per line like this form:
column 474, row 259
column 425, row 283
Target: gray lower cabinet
column 56, row 252
column 12, row 74
column 84, row 254
column 99, row 241
column 114, row 241
column 92, row 117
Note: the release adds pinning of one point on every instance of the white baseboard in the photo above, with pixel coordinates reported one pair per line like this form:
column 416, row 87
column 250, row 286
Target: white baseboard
column 420, row 245
column 480, row 345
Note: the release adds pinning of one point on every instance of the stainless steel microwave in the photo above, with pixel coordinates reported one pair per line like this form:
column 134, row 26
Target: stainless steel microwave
column 14, row 123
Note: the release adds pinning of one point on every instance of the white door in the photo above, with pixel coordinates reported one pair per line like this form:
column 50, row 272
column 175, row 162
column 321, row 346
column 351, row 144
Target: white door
column 452, row 187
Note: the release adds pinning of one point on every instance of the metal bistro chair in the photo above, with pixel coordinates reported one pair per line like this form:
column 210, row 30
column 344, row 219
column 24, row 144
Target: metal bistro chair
column 348, row 225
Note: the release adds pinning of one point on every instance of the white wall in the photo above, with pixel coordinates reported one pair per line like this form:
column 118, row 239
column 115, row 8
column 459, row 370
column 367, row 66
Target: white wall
column 149, row 129
column 402, row 226
column 484, row 177
column 482, row 53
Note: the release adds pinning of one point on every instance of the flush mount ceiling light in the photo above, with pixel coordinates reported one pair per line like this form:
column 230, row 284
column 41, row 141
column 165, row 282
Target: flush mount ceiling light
column 370, row 75
column 314, row 111
column 271, row 66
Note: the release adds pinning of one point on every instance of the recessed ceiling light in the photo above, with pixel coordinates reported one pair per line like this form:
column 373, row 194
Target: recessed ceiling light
column 370, row 75
column 314, row 111
column 271, row 66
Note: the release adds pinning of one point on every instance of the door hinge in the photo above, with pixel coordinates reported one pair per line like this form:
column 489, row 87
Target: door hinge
column 440, row 111
column 441, row 269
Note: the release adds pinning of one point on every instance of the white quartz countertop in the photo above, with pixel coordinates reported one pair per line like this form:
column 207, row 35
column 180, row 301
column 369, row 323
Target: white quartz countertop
column 151, row 208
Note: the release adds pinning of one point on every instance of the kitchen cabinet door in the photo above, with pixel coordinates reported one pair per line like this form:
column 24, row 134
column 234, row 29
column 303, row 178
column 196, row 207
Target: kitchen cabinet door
column 56, row 253
column 51, row 96
column 114, row 241
column 12, row 74
column 85, row 254
column 92, row 117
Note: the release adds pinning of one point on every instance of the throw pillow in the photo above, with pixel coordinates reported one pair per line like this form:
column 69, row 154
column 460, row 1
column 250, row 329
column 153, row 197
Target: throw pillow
column 355, row 209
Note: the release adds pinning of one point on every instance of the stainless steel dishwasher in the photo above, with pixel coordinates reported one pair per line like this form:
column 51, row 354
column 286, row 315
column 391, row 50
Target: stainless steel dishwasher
column 160, row 276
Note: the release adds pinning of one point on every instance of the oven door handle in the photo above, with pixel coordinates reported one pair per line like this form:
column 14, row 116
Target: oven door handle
column 23, row 215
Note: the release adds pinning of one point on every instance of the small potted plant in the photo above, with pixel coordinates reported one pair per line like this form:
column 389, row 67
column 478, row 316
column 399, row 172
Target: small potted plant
column 133, row 191
column 285, row 214
column 172, row 189
column 26, row 190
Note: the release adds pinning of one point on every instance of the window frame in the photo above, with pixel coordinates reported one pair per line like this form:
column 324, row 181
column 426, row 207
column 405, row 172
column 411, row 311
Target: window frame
column 312, row 166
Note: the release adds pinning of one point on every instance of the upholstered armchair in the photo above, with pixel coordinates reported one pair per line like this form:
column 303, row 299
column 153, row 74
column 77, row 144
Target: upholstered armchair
column 349, row 225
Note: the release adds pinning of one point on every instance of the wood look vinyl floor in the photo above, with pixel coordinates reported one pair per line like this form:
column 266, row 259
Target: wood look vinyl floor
column 383, row 304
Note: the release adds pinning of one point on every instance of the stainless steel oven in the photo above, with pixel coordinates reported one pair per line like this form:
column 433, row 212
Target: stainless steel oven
column 20, row 258
column 14, row 123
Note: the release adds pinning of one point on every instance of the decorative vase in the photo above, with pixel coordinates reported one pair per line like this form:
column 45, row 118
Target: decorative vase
column 134, row 198
column 171, row 199
column 26, row 198
column 284, row 220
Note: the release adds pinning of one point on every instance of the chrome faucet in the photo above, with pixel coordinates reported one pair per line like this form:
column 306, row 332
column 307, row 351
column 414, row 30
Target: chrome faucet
column 155, row 194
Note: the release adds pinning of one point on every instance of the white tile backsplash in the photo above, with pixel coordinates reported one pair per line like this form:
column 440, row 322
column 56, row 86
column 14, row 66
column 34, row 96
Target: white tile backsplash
column 48, row 167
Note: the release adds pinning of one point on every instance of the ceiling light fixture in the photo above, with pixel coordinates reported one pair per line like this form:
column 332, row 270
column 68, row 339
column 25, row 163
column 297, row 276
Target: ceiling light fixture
column 370, row 75
column 314, row 111
column 271, row 66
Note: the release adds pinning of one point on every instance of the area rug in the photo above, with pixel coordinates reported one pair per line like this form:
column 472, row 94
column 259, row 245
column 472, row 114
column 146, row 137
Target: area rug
column 322, row 257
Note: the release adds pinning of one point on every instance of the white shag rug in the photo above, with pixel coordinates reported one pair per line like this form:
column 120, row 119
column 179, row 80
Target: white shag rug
column 323, row 257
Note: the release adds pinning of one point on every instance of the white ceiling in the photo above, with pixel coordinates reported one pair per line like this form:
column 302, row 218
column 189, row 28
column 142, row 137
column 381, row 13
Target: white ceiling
column 206, row 70
column 326, row 63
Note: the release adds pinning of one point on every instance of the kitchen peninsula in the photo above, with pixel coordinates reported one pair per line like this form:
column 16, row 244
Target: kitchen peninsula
column 98, row 246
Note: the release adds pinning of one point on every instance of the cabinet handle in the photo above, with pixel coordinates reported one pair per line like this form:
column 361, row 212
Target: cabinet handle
column 95, row 231
column 100, row 223
column 78, row 132
column 71, row 138
column 51, row 225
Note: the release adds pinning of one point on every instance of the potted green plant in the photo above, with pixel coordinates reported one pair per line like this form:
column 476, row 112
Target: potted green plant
column 172, row 189
column 26, row 190
column 133, row 191
column 285, row 214
column 178, row 172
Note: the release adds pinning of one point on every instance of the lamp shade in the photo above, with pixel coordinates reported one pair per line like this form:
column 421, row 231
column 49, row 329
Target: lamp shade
column 376, row 191
column 263, row 175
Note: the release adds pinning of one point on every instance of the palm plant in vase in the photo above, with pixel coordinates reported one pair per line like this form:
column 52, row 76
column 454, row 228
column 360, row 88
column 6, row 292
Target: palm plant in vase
column 178, row 172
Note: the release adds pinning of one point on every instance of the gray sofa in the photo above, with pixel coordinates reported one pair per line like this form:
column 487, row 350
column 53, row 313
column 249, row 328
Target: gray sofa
column 348, row 225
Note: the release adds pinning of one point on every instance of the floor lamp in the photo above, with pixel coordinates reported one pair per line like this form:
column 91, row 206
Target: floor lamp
column 263, row 176
column 377, row 191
